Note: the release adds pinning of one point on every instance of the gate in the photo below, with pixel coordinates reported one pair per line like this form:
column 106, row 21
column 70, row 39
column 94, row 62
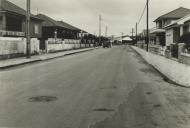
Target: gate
column 174, row 51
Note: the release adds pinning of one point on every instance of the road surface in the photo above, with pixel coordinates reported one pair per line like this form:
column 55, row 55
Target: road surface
column 104, row 88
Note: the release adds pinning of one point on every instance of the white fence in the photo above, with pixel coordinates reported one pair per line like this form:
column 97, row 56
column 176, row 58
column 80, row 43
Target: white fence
column 9, row 45
column 53, row 45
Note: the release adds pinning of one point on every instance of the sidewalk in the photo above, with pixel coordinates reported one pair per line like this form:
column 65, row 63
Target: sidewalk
column 173, row 70
column 23, row 60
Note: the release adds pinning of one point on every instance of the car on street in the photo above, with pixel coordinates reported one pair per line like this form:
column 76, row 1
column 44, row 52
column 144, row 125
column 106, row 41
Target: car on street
column 107, row 44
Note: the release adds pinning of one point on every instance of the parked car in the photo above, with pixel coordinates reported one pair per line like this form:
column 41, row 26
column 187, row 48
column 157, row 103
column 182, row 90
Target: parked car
column 107, row 44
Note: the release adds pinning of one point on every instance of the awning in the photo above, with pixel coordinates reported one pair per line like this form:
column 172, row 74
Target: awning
column 156, row 31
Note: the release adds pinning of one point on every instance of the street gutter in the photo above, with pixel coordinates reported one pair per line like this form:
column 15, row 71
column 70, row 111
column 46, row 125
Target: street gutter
column 43, row 58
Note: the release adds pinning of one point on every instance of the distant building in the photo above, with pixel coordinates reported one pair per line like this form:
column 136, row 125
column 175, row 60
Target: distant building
column 13, row 21
column 163, row 21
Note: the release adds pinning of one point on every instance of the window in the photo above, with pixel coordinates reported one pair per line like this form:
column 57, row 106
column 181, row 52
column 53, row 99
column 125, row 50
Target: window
column 1, row 23
column 36, row 29
column 185, row 29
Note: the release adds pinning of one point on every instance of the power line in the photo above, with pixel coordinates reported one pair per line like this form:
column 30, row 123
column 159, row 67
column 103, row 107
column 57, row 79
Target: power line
column 143, row 12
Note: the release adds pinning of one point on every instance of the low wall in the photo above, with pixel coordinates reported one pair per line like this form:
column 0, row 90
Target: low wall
column 184, row 58
column 140, row 44
column 155, row 49
column 13, row 47
column 53, row 45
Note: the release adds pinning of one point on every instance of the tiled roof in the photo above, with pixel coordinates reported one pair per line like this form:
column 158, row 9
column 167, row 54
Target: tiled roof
column 68, row 26
column 10, row 7
column 49, row 22
column 175, row 14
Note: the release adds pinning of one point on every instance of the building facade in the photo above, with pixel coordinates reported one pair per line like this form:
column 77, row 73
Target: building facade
column 164, row 38
column 10, row 12
column 179, row 31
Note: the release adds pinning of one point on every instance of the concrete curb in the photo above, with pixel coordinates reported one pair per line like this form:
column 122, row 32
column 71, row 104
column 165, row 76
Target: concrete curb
column 44, row 59
column 18, row 64
column 165, row 77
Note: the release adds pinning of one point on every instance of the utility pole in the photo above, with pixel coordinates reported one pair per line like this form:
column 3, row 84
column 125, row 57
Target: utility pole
column 136, row 32
column 122, row 37
column 106, row 32
column 147, row 25
column 28, row 29
column 132, row 32
column 100, row 20
column 81, row 40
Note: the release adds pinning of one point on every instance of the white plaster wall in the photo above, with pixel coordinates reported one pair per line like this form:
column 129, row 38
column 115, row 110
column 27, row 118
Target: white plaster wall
column 169, row 37
column 10, row 45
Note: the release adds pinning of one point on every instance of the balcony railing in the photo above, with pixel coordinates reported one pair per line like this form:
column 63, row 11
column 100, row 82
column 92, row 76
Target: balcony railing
column 11, row 33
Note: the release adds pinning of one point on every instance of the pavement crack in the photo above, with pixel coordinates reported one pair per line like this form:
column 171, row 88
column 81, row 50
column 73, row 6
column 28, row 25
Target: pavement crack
column 104, row 110
column 42, row 99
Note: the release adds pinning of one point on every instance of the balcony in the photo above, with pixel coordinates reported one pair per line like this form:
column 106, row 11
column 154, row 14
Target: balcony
column 11, row 33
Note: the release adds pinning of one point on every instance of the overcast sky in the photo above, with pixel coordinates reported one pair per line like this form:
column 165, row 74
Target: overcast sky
column 118, row 15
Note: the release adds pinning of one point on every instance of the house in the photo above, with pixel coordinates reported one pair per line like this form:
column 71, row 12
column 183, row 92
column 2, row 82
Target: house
column 163, row 21
column 57, row 30
column 51, row 28
column 177, row 29
column 177, row 33
column 63, row 30
column 72, row 32
column 10, row 12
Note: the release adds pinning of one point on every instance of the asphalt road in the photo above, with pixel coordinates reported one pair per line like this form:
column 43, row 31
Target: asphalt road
column 104, row 88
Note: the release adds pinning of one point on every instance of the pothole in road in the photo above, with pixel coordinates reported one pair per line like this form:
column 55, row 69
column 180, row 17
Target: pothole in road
column 148, row 93
column 43, row 99
column 157, row 106
column 155, row 124
column 113, row 87
column 103, row 110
